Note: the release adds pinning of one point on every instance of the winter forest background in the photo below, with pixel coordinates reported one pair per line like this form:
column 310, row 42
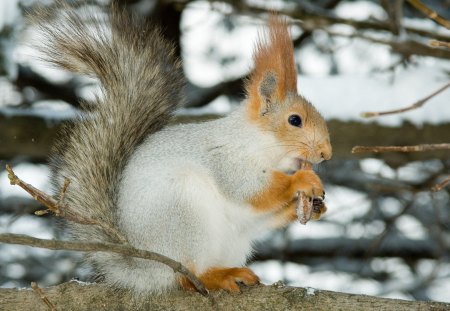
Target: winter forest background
column 386, row 233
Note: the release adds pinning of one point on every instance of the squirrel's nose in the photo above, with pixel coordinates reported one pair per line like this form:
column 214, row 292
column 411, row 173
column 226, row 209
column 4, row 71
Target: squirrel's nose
column 326, row 152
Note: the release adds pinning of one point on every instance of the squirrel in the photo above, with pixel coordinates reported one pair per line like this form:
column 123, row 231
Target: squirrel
column 198, row 193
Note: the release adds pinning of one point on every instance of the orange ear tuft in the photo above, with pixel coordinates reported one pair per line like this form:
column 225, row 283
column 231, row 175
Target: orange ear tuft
column 274, row 74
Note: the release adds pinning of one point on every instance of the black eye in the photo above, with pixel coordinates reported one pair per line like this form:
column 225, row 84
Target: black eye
column 295, row 120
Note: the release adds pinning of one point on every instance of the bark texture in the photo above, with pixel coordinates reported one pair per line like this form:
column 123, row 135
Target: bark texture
column 78, row 296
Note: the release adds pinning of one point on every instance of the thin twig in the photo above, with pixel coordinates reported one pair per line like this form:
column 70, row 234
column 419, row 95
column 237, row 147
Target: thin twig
column 58, row 208
column 416, row 105
column 441, row 185
column 430, row 13
column 417, row 148
column 437, row 43
column 104, row 247
column 41, row 295
column 37, row 194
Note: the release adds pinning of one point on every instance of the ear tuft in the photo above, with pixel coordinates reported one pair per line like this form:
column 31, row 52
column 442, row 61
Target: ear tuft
column 274, row 74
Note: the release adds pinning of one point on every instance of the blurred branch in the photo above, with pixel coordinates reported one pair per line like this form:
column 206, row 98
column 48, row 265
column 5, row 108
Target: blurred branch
column 404, row 47
column 436, row 43
column 417, row 148
column 313, row 17
column 300, row 250
column 394, row 10
column 441, row 185
column 430, row 13
column 31, row 137
column 416, row 105
column 199, row 97
column 123, row 249
column 47, row 89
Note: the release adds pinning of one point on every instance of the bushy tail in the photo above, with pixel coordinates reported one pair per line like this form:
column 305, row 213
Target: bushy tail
column 140, row 88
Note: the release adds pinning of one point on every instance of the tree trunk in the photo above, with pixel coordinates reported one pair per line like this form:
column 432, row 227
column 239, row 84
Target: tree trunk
column 79, row 296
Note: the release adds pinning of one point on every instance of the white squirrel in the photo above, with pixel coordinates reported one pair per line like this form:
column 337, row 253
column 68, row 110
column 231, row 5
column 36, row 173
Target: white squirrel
column 197, row 193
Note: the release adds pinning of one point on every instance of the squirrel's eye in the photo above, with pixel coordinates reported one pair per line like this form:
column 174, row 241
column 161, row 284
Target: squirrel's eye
column 295, row 120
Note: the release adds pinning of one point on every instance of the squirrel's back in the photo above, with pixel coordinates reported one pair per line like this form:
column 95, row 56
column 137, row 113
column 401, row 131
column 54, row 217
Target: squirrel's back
column 140, row 82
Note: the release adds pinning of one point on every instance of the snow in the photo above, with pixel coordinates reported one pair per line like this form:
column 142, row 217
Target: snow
column 360, row 10
column 377, row 167
column 310, row 291
column 359, row 93
column 9, row 12
column 26, row 224
column 205, row 41
column 410, row 227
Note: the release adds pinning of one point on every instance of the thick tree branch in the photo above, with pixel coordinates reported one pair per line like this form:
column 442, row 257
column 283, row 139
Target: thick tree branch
column 80, row 297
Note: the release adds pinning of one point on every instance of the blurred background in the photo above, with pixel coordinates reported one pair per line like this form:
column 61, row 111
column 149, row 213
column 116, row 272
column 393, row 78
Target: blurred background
column 385, row 233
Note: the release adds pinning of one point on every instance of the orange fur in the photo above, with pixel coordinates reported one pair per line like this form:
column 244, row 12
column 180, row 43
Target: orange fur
column 273, row 53
column 282, row 190
column 223, row 278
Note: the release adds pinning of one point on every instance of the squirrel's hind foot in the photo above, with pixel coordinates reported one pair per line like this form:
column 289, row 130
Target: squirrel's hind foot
column 224, row 278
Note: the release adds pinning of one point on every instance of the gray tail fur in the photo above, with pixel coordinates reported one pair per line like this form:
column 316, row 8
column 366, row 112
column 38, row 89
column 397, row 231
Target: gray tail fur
column 140, row 82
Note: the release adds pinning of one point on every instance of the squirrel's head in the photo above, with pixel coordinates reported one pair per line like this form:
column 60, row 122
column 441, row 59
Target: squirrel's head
column 274, row 104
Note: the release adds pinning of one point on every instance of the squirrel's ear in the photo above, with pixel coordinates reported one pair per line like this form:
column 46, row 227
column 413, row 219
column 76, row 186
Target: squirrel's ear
column 267, row 90
column 274, row 75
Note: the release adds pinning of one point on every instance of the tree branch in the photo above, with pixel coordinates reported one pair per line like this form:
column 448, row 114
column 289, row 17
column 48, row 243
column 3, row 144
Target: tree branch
column 319, row 18
column 60, row 209
column 57, row 207
column 417, row 148
column 437, row 43
column 122, row 249
column 404, row 47
column 416, row 105
column 430, row 13
column 82, row 297
column 310, row 249
column 441, row 185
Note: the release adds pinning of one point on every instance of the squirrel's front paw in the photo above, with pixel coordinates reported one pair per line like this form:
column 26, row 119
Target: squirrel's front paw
column 307, row 182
